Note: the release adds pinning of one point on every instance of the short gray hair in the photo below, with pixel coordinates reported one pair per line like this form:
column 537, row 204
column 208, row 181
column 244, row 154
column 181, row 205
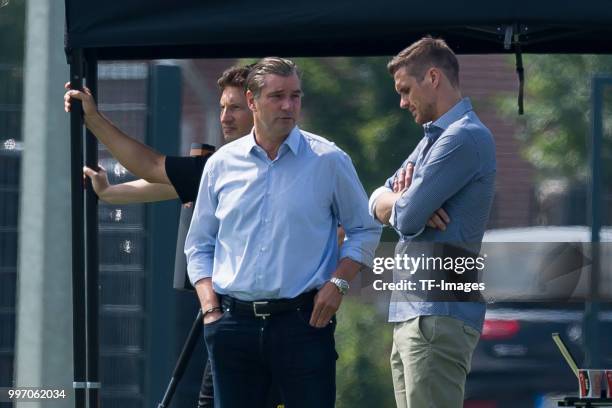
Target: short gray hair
column 269, row 65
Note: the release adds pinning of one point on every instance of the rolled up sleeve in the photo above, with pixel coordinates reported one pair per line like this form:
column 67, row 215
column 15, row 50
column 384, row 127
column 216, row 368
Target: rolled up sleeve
column 350, row 205
column 202, row 235
column 388, row 186
column 374, row 197
column 452, row 163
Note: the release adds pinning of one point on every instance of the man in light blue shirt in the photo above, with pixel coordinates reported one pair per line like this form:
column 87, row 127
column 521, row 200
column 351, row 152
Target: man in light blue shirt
column 262, row 249
column 452, row 168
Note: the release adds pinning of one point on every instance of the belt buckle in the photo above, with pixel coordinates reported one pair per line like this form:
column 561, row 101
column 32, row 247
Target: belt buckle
column 262, row 315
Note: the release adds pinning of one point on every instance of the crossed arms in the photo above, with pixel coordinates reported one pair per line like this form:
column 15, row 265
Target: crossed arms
column 415, row 203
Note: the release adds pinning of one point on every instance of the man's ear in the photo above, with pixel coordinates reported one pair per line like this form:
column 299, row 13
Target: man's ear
column 251, row 101
column 434, row 76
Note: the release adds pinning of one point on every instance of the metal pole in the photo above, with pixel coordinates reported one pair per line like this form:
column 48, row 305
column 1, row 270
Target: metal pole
column 164, row 118
column 78, row 270
column 91, row 249
column 181, row 364
column 591, row 319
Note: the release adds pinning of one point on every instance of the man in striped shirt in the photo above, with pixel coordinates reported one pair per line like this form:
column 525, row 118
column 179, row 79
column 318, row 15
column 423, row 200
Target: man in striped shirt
column 451, row 169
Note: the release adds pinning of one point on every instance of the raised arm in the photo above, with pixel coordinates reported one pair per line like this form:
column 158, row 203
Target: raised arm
column 137, row 191
column 138, row 158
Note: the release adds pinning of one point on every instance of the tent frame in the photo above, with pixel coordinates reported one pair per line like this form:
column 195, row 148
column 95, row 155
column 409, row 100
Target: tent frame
column 510, row 37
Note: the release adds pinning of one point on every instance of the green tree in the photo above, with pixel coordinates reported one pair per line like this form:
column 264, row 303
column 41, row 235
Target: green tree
column 352, row 101
column 364, row 345
column 555, row 129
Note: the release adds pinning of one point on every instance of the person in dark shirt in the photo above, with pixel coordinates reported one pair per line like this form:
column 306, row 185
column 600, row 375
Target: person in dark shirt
column 163, row 177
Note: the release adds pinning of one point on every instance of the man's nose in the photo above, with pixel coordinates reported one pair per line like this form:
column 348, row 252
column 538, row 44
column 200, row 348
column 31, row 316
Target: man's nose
column 226, row 116
column 286, row 104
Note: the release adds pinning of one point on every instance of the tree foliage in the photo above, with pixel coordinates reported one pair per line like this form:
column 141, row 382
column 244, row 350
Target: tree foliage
column 363, row 341
column 556, row 126
column 352, row 101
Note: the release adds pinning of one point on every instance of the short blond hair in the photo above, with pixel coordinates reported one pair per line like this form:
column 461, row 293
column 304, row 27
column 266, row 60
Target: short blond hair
column 424, row 54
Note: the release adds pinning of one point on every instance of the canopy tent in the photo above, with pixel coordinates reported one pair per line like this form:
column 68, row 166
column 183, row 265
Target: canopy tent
column 130, row 29
column 161, row 29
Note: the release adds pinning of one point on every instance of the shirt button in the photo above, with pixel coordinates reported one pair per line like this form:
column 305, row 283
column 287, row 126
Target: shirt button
column 263, row 249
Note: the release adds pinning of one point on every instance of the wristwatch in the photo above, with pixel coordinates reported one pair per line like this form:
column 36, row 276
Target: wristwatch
column 341, row 284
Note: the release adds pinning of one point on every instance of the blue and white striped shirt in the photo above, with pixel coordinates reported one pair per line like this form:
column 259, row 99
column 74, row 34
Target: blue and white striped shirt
column 266, row 229
column 455, row 170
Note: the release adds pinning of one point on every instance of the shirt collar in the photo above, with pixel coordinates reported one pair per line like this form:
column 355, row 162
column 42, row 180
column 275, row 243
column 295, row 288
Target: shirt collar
column 292, row 141
column 249, row 143
column 452, row 115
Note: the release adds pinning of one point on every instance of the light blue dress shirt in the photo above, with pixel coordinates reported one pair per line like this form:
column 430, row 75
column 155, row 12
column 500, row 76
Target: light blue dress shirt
column 454, row 169
column 266, row 229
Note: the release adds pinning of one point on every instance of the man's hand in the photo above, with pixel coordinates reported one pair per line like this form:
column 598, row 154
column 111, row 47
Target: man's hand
column 386, row 201
column 326, row 303
column 208, row 299
column 89, row 104
column 213, row 317
column 439, row 219
column 404, row 178
column 99, row 180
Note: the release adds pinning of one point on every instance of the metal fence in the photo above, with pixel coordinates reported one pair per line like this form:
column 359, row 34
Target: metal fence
column 10, row 160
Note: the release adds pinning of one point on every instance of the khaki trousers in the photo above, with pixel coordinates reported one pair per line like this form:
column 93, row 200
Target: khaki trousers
column 430, row 360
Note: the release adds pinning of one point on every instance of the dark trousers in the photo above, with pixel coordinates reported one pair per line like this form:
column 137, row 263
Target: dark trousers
column 248, row 353
column 206, row 396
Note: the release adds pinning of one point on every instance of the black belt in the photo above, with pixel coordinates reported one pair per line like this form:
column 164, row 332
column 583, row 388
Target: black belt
column 265, row 308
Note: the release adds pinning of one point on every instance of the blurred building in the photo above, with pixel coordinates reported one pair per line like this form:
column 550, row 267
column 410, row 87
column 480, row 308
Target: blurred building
column 485, row 78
